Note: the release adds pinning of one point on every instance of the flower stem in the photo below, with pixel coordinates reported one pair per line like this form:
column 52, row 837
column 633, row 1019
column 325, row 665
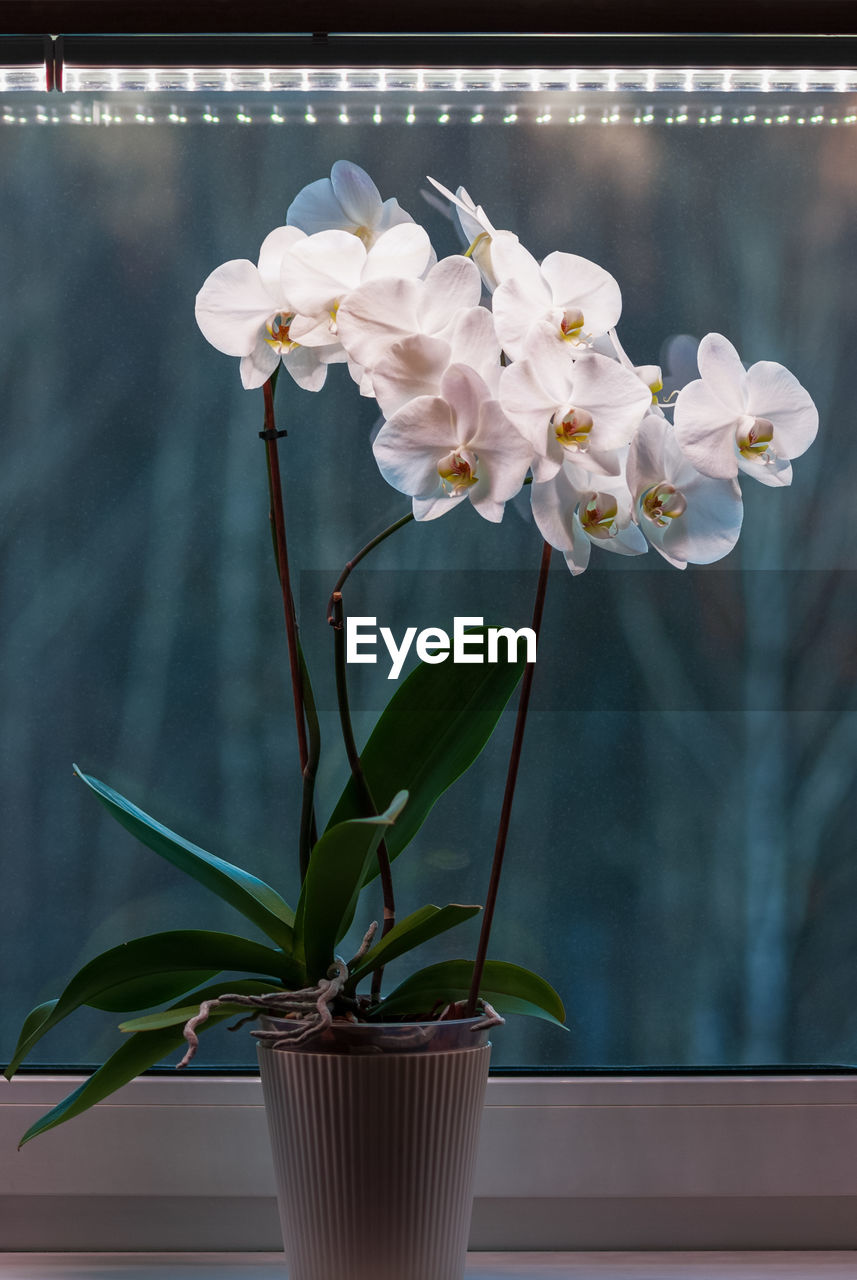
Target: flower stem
column 509, row 793
column 364, row 551
column 365, row 799
column 278, row 525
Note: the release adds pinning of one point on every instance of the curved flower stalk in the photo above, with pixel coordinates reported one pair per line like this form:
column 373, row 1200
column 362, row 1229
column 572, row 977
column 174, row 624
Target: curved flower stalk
column 346, row 201
column 584, row 410
column 441, row 450
column 245, row 310
column 734, row 419
column 686, row 516
column 576, row 508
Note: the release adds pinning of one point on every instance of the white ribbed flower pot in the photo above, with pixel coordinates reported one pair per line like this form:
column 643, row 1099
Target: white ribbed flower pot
column 374, row 1143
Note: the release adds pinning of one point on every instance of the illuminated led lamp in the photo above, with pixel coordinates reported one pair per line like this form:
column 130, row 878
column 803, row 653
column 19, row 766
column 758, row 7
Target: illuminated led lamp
column 26, row 62
column 483, row 52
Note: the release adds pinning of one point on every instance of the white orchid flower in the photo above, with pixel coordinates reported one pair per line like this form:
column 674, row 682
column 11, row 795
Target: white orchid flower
column 734, row 419
column 244, row 310
column 323, row 268
column 444, row 449
column 583, row 409
column 382, row 312
column 579, row 300
column 346, row 201
column 493, row 251
column 575, row 509
column 416, row 365
column 686, row 516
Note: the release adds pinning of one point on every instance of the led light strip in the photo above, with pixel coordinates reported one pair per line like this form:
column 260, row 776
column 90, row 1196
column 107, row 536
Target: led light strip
column 412, row 113
column 83, row 79
column 22, row 79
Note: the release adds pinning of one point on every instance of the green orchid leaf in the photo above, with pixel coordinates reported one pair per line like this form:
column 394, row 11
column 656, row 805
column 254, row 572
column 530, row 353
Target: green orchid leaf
column 249, row 895
column 177, row 1017
column 153, row 969
column 29, row 1031
column 508, row 987
column 430, row 732
column 411, row 932
column 152, row 989
column 133, row 1057
column 337, row 869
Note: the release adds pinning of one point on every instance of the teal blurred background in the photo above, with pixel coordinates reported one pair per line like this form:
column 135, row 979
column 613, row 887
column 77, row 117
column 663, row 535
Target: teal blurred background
column 681, row 861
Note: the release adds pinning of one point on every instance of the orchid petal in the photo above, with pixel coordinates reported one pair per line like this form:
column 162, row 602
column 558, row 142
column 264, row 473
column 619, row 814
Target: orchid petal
column 473, row 341
column 646, row 465
column 257, row 367
column 232, row 305
column 706, row 430
column 377, row 314
column 409, row 369
column 517, row 307
column 721, row 369
column 504, row 454
column 314, row 331
column 774, row 474
column 585, row 285
column 316, row 208
column 274, row 247
column 577, row 558
column 709, row 528
column 775, row 393
column 431, row 508
column 454, row 283
column 307, row 368
column 489, row 508
column 465, row 393
column 321, row 268
column 615, row 398
column 554, row 505
column 404, row 250
column 391, row 215
column 527, row 402
column 511, row 261
column 409, row 447
column 357, row 194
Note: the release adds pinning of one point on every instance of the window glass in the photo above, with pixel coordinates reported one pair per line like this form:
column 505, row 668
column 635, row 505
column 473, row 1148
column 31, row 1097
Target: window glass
column 680, row 863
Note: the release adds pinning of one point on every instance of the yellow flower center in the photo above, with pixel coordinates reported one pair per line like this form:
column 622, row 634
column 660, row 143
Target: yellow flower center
column 662, row 503
column 572, row 427
column 457, row 471
column 571, row 325
column 754, row 442
column 597, row 513
column 364, row 234
column 278, row 334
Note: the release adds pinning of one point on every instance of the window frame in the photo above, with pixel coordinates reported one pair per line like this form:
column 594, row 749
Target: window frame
column 565, row 1163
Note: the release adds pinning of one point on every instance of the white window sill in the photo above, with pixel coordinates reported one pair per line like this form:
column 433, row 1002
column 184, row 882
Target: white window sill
column 576, row 1163
column 484, row 1266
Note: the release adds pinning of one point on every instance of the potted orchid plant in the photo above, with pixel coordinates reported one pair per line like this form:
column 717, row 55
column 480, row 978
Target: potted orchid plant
column 493, row 372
